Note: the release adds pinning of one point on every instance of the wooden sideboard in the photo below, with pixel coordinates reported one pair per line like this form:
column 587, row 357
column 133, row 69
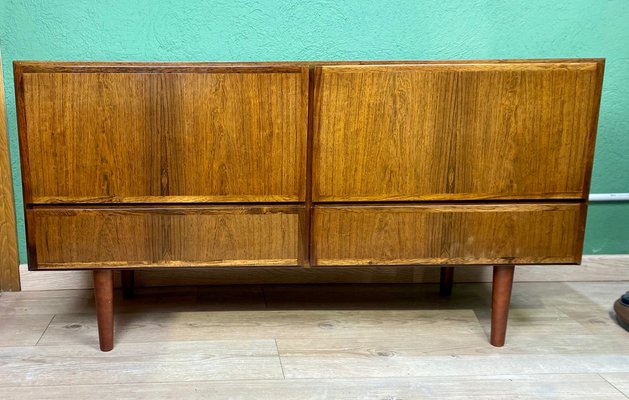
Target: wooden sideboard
column 306, row 164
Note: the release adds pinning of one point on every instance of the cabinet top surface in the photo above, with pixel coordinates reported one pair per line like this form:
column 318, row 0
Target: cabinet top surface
column 124, row 66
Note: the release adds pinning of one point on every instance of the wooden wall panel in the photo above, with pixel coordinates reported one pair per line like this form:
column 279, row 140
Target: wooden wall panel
column 163, row 237
column 187, row 136
column 455, row 131
column 9, row 273
column 545, row 233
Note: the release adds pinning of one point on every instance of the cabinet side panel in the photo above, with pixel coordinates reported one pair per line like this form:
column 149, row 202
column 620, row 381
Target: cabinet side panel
column 452, row 132
column 447, row 234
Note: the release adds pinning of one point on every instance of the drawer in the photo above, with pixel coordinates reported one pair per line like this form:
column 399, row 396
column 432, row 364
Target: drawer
column 163, row 134
column 67, row 238
column 436, row 132
column 548, row 233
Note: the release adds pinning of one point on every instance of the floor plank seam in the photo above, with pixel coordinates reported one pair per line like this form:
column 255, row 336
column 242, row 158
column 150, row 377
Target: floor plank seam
column 614, row 386
column 44, row 332
column 342, row 379
column 452, row 376
column 279, row 357
column 5, row 386
column 226, row 381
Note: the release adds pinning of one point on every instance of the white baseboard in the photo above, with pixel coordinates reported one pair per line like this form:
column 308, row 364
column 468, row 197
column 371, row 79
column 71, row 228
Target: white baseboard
column 593, row 268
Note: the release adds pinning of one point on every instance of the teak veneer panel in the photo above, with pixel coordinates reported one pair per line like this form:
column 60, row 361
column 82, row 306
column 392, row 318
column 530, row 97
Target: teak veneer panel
column 455, row 131
column 545, row 233
column 9, row 272
column 215, row 135
column 106, row 237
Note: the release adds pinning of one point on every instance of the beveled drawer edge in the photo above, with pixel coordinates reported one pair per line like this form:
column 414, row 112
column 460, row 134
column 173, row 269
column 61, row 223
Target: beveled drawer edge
column 452, row 206
column 288, row 262
column 196, row 208
column 447, row 261
column 447, row 197
column 216, row 199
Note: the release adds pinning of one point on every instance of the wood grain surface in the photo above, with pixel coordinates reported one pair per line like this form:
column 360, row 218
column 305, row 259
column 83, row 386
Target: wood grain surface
column 524, row 233
column 228, row 135
column 9, row 271
column 317, row 342
column 261, row 66
column 506, row 387
column 306, row 133
column 453, row 132
column 105, row 237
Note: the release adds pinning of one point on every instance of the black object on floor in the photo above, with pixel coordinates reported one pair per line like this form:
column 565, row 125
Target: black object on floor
column 621, row 307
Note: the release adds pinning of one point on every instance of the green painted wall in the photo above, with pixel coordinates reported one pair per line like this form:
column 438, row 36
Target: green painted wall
column 256, row 30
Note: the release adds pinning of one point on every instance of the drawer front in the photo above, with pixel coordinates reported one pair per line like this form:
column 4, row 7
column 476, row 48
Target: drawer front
column 169, row 236
column 448, row 234
column 453, row 132
column 215, row 135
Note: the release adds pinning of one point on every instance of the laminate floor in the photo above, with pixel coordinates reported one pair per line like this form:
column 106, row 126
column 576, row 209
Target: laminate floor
column 345, row 341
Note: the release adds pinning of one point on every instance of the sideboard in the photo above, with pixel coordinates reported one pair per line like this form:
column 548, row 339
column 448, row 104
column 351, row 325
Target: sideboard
column 306, row 164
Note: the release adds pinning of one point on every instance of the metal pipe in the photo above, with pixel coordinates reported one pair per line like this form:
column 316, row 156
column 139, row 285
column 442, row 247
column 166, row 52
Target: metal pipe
column 605, row 197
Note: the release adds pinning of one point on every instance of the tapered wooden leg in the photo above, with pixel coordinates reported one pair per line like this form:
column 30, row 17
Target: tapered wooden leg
column 445, row 281
column 500, row 299
column 128, row 283
column 104, row 294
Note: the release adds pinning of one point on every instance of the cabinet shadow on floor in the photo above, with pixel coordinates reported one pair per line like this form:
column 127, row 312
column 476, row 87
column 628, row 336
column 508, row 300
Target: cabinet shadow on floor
column 551, row 300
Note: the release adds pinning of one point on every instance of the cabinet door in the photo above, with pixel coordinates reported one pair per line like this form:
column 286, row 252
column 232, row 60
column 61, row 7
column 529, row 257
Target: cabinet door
column 168, row 236
column 169, row 133
column 517, row 233
column 478, row 130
